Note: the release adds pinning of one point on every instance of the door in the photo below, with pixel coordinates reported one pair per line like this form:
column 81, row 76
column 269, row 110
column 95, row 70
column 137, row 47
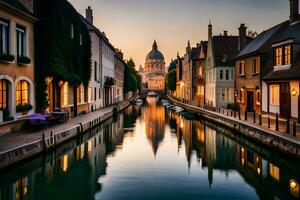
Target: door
column 250, row 102
column 285, row 100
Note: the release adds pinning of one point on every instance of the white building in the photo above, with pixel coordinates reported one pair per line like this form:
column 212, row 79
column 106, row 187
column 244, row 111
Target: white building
column 101, row 85
column 220, row 69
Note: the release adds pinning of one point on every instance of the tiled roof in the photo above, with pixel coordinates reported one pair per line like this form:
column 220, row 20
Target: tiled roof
column 261, row 40
column 289, row 31
column 91, row 27
column 17, row 5
column 225, row 49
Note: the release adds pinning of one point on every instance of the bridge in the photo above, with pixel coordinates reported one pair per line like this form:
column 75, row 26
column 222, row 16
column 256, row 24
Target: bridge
column 144, row 93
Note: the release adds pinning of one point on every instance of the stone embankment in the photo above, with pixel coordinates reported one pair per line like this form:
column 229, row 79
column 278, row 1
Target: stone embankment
column 54, row 139
column 278, row 141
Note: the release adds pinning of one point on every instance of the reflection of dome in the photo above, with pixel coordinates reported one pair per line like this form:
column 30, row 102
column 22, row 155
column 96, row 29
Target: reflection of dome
column 154, row 54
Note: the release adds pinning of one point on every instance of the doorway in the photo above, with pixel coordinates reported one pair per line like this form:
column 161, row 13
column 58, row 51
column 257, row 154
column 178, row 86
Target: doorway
column 250, row 102
column 285, row 100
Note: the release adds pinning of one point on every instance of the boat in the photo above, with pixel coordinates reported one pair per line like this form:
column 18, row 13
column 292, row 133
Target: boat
column 188, row 115
column 177, row 109
column 139, row 102
column 152, row 94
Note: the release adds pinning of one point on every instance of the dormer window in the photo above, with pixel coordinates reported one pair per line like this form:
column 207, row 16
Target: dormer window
column 283, row 55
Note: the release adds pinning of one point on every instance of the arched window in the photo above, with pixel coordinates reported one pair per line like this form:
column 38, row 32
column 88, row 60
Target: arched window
column 3, row 94
column 22, row 93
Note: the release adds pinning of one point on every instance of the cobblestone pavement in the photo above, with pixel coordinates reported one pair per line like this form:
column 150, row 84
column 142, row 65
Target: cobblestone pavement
column 13, row 140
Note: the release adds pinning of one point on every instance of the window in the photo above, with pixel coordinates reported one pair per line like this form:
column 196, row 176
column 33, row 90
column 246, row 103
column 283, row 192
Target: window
column 3, row 94
column 200, row 90
column 201, row 71
column 66, row 93
column 242, row 67
column 256, row 68
column 95, row 94
column 99, row 93
column 287, row 55
column 72, row 31
column 21, row 41
column 80, row 93
column 258, row 100
column 221, row 74
column 227, row 74
column 274, row 90
column 4, row 36
column 223, row 94
column 278, row 56
column 274, row 172
column 242, row 95
column 95, row 71
column 22, row 93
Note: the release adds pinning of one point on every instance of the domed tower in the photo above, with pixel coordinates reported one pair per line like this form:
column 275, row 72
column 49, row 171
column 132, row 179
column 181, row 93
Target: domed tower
column 155, row 59
column 155, row 69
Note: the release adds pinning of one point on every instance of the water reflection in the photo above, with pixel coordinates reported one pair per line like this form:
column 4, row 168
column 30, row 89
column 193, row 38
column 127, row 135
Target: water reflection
column 115, row 161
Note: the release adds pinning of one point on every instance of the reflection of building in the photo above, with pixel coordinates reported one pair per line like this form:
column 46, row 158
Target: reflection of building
column 154, row 72
column 154, row 117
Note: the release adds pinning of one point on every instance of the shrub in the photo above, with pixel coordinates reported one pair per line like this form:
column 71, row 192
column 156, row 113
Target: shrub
column 7, row 57
column 82, row 113
column 24, row 60
column 233, row 106
column 24, row 108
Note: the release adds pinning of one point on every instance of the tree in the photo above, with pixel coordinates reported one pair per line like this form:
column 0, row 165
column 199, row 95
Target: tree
column 171, row 80
column 133, row 81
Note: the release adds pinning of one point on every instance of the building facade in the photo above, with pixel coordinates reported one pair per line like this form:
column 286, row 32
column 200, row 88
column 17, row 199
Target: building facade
column 220, row 69
column 251, row 66
column 108, row 72
column 63, row 67
column 17, row 93
column 119, row 76
column 154, row 71
column 94, row 94
column 281, row 85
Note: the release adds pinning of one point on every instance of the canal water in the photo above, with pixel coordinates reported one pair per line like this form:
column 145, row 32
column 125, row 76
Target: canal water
column 149, row 153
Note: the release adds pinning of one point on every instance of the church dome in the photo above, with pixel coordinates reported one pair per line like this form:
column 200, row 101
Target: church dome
column 154, row 54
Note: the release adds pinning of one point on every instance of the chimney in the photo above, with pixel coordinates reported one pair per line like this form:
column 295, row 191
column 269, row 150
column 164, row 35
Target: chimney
column 225, row 33
column 242, row 37
column 89, row 15
column 28, row 4
column 294, row 11
column 119, row 54
column 188, row 48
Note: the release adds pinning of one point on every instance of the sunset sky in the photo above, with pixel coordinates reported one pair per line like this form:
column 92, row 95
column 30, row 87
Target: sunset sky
column 132, row 25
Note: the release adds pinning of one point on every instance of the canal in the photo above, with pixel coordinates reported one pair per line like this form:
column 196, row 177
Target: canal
column 151, row 153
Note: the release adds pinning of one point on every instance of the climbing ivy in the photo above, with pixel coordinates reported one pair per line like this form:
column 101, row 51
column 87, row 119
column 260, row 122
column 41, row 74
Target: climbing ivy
column 58, row 55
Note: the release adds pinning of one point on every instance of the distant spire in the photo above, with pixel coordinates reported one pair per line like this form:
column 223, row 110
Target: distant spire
column 154, row 46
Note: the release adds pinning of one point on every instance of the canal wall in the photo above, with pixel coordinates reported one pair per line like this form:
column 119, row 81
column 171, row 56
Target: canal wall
column 280, row 142
column 45, row 144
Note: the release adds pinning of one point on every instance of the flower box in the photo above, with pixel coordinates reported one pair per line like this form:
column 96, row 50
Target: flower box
column 7, row 58
column 24, row 108
column 23, row 60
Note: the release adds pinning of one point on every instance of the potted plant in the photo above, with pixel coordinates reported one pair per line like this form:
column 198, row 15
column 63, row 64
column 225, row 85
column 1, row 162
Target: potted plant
column 23, row 60
column 24, row 108
column 8, row 58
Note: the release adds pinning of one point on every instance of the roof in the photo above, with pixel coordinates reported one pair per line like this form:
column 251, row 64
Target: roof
column 18, row 6
column 91, row 27
column 225, row 49
column 289, row 31
column 154, row 54
column 260, row 41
